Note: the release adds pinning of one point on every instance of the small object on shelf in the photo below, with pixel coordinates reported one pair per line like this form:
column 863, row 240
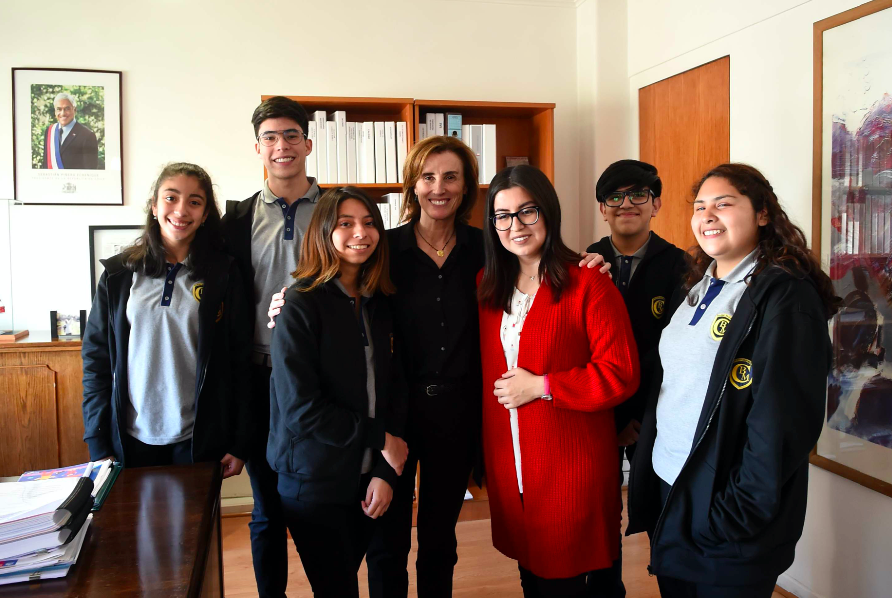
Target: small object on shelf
column 11, row 336
column 453, row 124
column 67, row 326
column 516, row 160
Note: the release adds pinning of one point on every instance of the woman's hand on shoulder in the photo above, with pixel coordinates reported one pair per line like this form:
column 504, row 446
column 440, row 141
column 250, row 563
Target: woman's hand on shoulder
column 518, row 387
column 395, row 452
column 275, row 307
column 592, row 260
column 377, row 498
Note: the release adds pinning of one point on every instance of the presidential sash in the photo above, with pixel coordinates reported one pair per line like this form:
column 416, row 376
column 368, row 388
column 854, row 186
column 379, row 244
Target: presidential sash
column 53, row 147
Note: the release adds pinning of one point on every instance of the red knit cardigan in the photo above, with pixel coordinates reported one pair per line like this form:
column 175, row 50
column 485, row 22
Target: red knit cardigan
column 569, row 521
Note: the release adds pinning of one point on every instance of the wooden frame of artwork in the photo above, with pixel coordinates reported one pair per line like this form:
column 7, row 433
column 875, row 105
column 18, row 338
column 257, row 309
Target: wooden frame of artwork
column 852, row 235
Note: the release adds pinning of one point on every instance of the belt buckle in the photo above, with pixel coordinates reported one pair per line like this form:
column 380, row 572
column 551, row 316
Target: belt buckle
column 431, row 390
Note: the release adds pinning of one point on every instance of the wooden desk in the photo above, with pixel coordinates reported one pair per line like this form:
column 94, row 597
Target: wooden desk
column 158, row 534
column 41, row 421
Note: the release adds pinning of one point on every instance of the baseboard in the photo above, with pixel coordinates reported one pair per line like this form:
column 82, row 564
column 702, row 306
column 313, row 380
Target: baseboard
column 791, row 588
column 241, row 505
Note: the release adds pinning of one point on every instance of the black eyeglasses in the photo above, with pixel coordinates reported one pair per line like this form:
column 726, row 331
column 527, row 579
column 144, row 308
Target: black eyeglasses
column 615, row 200
column 504, row 220
column 270, row 138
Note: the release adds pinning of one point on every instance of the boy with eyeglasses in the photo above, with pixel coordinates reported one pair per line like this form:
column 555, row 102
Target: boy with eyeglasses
column 646, row 270
column 264, row 233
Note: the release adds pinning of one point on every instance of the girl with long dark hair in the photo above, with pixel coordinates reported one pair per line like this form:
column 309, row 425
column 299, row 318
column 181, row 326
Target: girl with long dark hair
column 558, row 355
column 337, row 405
column 720, row 476
column 166, row 345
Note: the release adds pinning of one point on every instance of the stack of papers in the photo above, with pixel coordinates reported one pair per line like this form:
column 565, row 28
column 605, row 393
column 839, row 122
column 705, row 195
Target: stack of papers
column 44, row 518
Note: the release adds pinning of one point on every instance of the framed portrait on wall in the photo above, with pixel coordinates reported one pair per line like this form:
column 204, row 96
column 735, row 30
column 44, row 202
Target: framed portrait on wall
column 67, row 137
column 852, row 226
column 105, row 242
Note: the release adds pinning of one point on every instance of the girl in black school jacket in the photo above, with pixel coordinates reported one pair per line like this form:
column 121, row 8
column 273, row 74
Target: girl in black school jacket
column 167, row 343
column 337, row 406
column 728, row 523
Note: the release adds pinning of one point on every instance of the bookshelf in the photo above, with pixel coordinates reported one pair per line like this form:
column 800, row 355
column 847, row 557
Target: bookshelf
column 364, row 110
column 522, row 129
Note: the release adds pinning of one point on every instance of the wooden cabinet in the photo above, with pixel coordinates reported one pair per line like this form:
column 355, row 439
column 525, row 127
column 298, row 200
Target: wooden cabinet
column 41, row 425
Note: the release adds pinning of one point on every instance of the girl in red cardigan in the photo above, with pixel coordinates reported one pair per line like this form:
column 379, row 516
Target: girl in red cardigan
column 548, row 433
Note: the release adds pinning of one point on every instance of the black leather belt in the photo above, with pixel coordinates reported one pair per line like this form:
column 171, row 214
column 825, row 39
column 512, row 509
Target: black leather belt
column 433, row 390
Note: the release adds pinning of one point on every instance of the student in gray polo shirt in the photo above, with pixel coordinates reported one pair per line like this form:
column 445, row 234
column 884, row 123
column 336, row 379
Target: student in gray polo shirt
column 720, row 476
column 164, row 352
column 264, row 233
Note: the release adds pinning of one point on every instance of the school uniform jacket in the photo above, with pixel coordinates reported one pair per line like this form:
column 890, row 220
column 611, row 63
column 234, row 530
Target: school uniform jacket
column 737, row 508
column 568, row 522
column 236, row 225
column 319, row 424
column 222, row 420
column 657, row 276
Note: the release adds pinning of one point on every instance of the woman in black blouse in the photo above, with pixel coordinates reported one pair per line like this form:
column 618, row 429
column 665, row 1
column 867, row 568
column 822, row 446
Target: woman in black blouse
column 434, row 260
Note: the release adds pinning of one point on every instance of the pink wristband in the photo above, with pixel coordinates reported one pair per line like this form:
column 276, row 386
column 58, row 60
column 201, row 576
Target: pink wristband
column 547, row 386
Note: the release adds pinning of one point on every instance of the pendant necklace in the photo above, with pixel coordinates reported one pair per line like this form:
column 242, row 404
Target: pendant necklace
column 440, row 252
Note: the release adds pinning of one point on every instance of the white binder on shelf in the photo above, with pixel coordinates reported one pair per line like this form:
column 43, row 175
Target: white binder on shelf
column 489, row 153
column 402, row 149
column 390, row 151
column 340, row 117
column 310, row 167
column 321, row 146
column 333, row 175
column 380, row 152
column 351, row 154
column 368, row 153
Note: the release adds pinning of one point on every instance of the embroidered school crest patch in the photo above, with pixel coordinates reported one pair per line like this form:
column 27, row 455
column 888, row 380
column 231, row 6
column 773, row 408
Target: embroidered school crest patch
column 717, row 330
column 198, row 290
column 741, row 373
column 657, row 305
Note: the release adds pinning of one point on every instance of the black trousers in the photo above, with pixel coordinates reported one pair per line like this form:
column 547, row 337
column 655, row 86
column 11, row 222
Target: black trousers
column 443, row 440
column 539, row 587
column 331, row 540
column 140, row 454
column 671, row 587
column 269, row 536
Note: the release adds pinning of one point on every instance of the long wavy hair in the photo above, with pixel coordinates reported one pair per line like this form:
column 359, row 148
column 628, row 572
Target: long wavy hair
column 781, row 243
column 501, row 266
column 319, row 261
column 147, row 254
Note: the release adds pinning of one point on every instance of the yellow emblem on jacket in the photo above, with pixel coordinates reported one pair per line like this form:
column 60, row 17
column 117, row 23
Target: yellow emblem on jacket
column 717, row 330
column 741, row 373
column 198, row 290
column 657, row 305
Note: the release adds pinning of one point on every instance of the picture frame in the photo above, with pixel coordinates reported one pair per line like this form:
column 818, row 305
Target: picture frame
column 105, row 242
column 66, row 325
column 852, row 235
column 66, row 136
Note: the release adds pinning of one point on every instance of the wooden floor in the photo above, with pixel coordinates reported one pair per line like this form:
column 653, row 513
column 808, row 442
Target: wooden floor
column 481, row 570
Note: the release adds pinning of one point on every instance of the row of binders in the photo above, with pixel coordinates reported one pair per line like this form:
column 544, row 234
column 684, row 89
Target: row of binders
column 390, row 206
column 356, row 152
column 44, row 518
column 480, row 138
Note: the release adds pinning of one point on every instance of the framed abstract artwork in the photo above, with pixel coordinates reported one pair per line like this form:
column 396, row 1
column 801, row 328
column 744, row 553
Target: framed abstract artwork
column 852, row 228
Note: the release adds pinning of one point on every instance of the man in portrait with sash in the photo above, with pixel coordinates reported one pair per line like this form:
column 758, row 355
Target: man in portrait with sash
column 67, row 143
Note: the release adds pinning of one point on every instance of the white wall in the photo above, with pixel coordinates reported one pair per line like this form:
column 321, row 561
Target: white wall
column 603, row 94
column 194, row 72
column 844, row 552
